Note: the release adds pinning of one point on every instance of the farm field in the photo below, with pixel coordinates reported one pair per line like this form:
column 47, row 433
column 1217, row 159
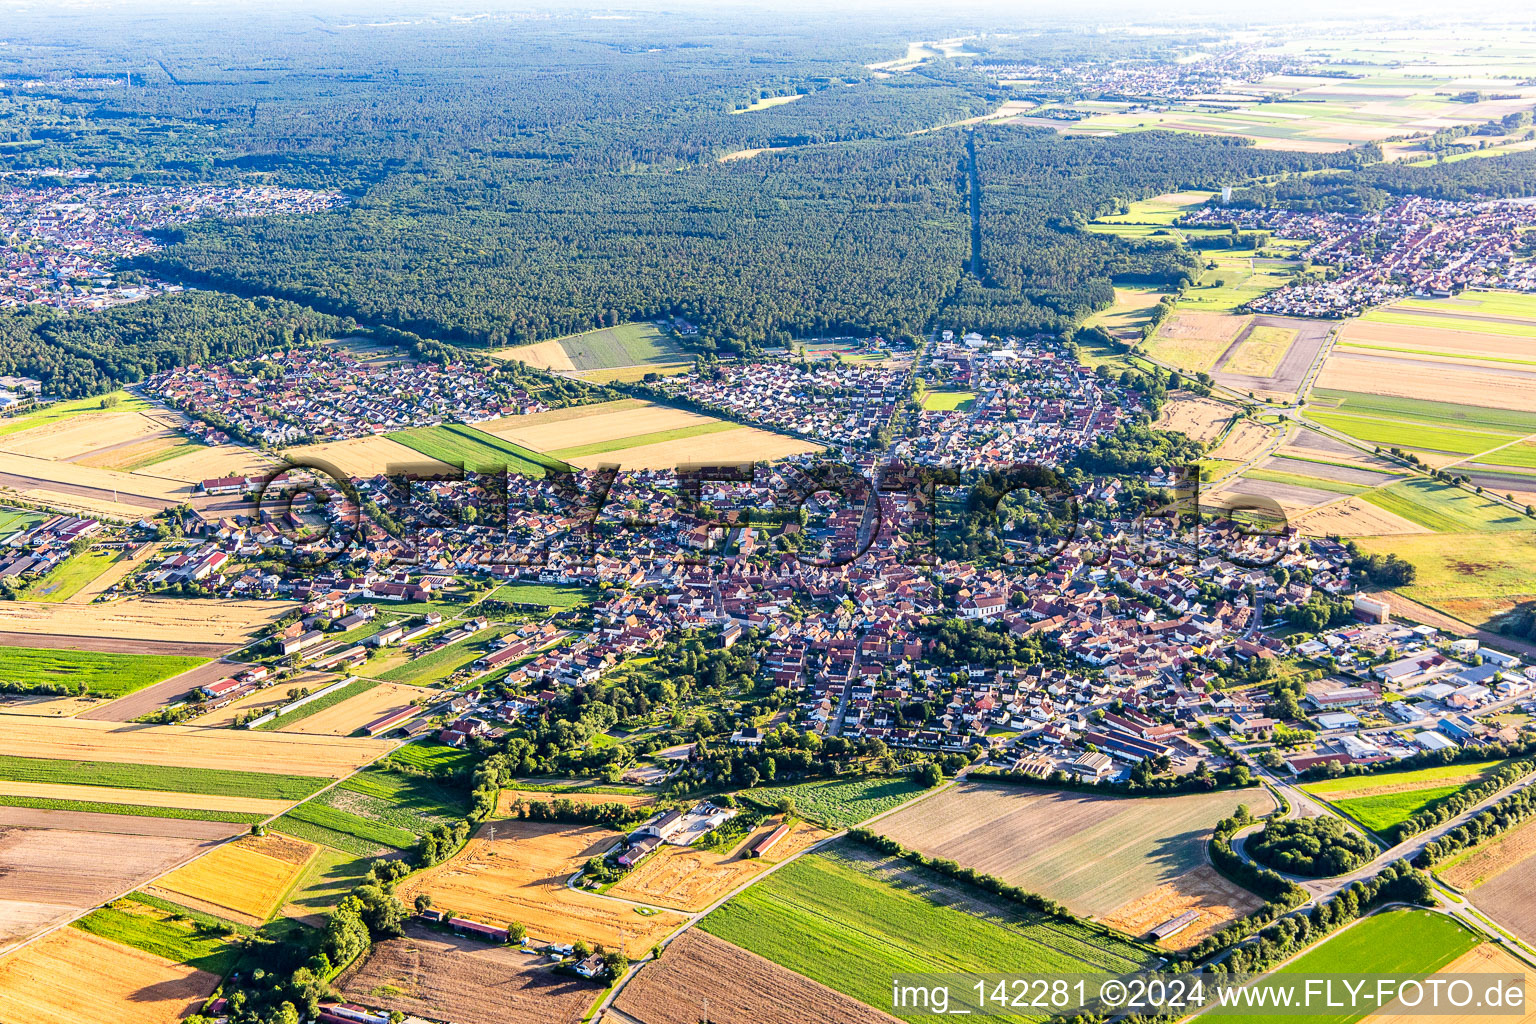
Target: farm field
column 840, row 803
column 1500, row 876
column 331, row 875
column 143, row 924
column 625, row 345
column 210, row 620
column 1474, row 577
column 1380, row 801
column 198, row 463
column 447, row 978
column 1485, row 959
column 1131, row 312
column 702, row 977
column 1444, row 508
column 1439, row 430
column 550, row 595
column 51, row 874
column 365, row 457
column 438, row 665
column 633, row 374
column 1502, row 386
column 348, row 716
column 96, row 674
column 1412, row 942
column 244, row 881
column 141, row 798
column 403, row 802
column 1202, row 889
column 1193, row 341
column 179, row 746
column 87, row 408
column 1245, row 440
column 86, row 434
column 208, row 781
column 1095, row 854
column 1484, row 863
column 73, row 976
column 1354, row 518
column 1260, row 351
column 520, row 876
column 473, row 449
column 688, row 879
column 607, row 423
column 889, row 917
column 1203, row 419
column 70, row 577
column 434, row 758
column 1272, row 355
column 743, row 444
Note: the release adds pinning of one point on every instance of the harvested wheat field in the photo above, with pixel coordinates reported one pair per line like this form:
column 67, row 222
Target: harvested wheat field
column 45, row 707
column 1194, row 341
column 244, row 881
column 77, row 436
column 501, row 426
column 1203, row 419
column 143, row 797
column 151, row 487
column 520, row 876
column 546, row 355
column 1094, row 853
column 365, row 457
column 73, row 976
column 689, row 879
column 1243, row 442
column 1402, row 376
column 52, row 874
column 349, row 716
column 1352, row 517
column 1416, row 339
column 1485, row 959
column 201, row 464
column 80, row 501
column 602, row 423
column 1203, row 889
column 144, row 452
column 1507, row 892
column 443, row 977
column 212, row 620
column 700, row 977
column 1492, row 859
column 727, row 447
column 184, row 746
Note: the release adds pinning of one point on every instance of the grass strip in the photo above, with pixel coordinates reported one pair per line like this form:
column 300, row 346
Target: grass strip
column 45, row 803
column 204, row 781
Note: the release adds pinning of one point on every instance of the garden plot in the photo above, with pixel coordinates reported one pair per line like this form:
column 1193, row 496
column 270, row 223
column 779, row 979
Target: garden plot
column 520, row 876
column 1095, row 854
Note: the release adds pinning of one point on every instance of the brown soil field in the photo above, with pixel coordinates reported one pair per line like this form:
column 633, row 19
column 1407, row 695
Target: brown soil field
column 116, row 646
column 601, row 424
column 367, row 457
column 1485, row 959
column 81, row 435
column 1093, row 853
column 46, row 707
column 72, row 976
column 700, row 977
column 79, row 500
column 520, row 876
column 161, row 490
column 51, row 874
column 546, row 355
column 244, row 881
column 744, row 444
column 1245, row 441
column 1510, row 898
column 1201, row 418
column 443, row 977
column 1405, row 377
column 688, row 879
column 201, row 464
column 1354, row 518
column 1204, row 889
column 351, row 715
column 119, row 824
column 1339, row 474
column 212, row 621
column 1292, row 367
column 145, row 797
column 1492, row 859
column 188, row 746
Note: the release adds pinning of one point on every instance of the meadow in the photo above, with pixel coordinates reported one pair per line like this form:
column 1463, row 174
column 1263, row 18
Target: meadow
column 70, row 577
column 948, row 401
column 333, row 821
column 330, row 876
column 550, row 595
column 96, row 673
column 14, row 520
column 827, row 902
column 1445, row 508
column 209, row 781
column 143, row 926
column 438, row 665
column 839, row 803
column 435, row 758
column 1380, row 801
column 1472, row 576
column 403, row 802
column 474, row 450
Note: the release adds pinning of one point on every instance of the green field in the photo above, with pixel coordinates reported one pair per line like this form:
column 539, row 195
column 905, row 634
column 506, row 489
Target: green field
column 624, row 345
column 835, row 919
column 1472, row 576
column 1415, row 437
column 47, row 803
column 617, row 444
column 949, row 401
column 329, row 837
column 172, row 935
column 330, row 876
column 206, row 781
column 1418, row 425
column 1233, row 283
column 1296, row 479
column 550, row 595
column 840, row 802
column 67, row 410
column 434, row 757
column 69, row 577
column 318, row 705
column 396, row 801
column 475, row 450
column 1444, row 508
column 355, row 825
column 1403, row 942
column 94, row 672
column 14, row 520
column 1418, row 790
column 443, row 662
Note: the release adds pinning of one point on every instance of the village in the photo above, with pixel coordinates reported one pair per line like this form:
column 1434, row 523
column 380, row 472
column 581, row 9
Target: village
column 63, row 244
